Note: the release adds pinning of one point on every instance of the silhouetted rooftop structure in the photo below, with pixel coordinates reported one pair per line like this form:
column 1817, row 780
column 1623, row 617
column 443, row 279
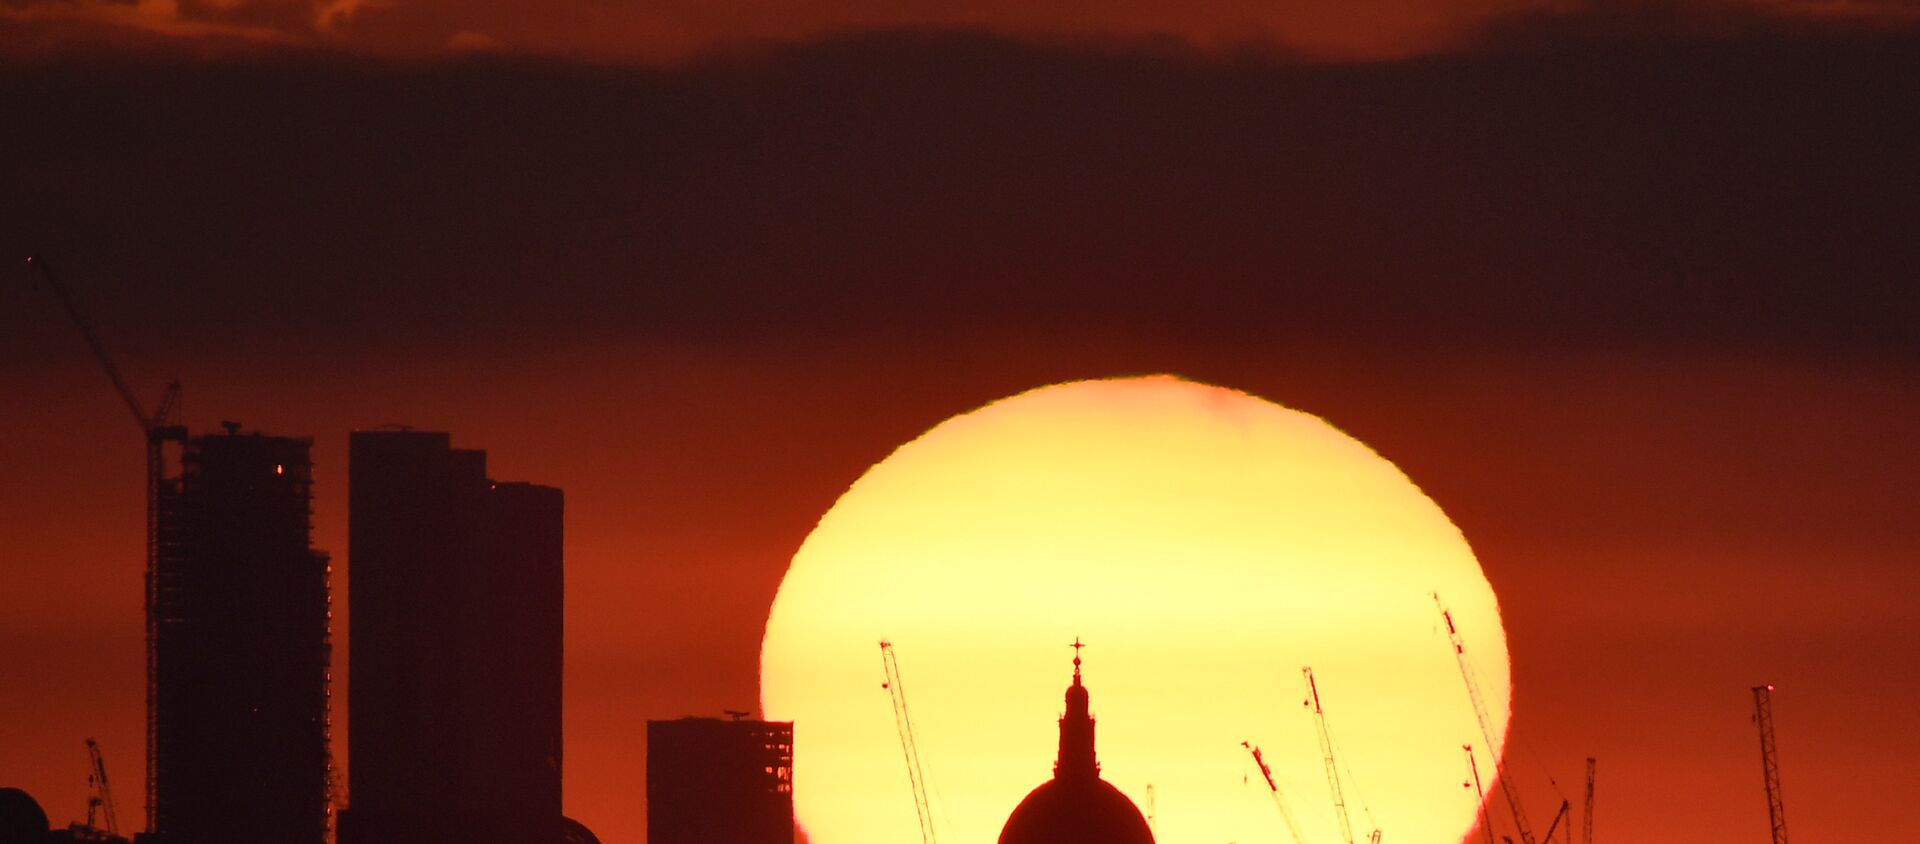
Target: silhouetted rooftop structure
column 714, row 781
column 1076, row 806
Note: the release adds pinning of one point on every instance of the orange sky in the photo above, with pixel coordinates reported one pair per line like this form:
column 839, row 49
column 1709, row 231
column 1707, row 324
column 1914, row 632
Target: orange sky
column 1633, row 305
column 1661, row 534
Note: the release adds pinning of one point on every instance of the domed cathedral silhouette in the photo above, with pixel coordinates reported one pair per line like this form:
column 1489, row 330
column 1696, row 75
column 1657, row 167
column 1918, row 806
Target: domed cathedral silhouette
column 1076, row 806
column 21, row 819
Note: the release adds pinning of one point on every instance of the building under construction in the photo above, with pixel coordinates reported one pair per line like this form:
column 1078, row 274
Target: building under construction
column 713, row 781
column 457, row 616
column 240, row 618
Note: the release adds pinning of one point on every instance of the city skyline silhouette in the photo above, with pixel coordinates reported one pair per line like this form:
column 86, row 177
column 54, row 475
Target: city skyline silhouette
column 1626, row 292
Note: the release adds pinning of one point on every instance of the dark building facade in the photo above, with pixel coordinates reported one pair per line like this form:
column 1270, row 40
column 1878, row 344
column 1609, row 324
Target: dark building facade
column 711, row 781
column 457, row 616
column 240, row 621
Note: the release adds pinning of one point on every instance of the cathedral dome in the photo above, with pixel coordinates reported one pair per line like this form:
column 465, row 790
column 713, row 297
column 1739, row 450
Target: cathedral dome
column 21, row 821
column 1089, row 811
column 575, row 832
column 1076, row 806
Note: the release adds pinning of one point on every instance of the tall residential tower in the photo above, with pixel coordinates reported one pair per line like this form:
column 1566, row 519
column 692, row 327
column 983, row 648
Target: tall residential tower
column 240, row 621
column 456, row 612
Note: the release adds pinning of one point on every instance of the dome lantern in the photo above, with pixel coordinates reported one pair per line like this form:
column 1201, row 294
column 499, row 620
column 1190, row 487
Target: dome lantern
column 1076, row 806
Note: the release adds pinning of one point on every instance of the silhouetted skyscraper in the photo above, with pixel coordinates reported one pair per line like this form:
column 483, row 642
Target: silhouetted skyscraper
column 240, row 638
column 456, row 611
column 719, row 782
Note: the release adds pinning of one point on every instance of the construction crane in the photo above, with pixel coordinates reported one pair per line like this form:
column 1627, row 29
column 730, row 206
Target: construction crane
column 100, row 797
column 1279, row 801
column 904, row 726
column 1153, row 826
column 1326, row 754
column 157, row 428
column 1479, row 794
column 1486, row 724
column 1586, row 817
column 1770, row 761
column 1565, row 808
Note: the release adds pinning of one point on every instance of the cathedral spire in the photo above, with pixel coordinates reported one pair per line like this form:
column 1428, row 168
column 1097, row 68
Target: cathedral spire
column 1076, row 759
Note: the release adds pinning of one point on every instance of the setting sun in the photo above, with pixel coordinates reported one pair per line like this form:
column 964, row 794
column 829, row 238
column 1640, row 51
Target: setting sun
column 1206, row 545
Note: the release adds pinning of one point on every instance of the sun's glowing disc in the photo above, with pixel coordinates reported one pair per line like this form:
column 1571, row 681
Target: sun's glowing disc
column 1206, row 544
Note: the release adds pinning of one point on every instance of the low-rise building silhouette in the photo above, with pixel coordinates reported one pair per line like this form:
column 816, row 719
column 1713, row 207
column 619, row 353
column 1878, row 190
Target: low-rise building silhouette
column 714, row 781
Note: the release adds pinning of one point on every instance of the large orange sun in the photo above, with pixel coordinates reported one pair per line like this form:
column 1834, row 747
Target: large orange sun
column 1206, row 545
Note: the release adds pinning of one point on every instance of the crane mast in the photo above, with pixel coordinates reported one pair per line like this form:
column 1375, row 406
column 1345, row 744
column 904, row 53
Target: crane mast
column 1326, row 754
column 1279, row 801
column 1479, row 794
column 1770, row 761
column 1152, row 825
column 1565, row 808
column 101, row 800
column 1486, row 724
column 156, row 428
column 904, row 726
column 1586, row 817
